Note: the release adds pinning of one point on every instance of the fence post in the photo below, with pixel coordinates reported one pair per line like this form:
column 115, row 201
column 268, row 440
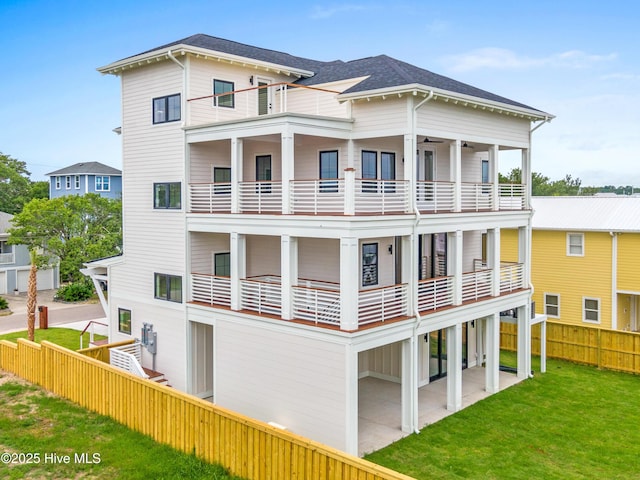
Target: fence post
column 599, row 345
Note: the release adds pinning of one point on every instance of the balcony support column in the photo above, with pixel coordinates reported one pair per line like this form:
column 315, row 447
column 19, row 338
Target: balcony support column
column 349, row 191
column 238, row 249
column 494, row 177
column 409, row 172
column 287, row 174
column 524, row 341
column 349, row 282
column 524, row 253
column 493, row 259
column 525, row 177
column 492, row 365
column 454, row 264
column 455, row 173
column 408, row 386
column 454, row 367
column 288, row 272
column 236, row 173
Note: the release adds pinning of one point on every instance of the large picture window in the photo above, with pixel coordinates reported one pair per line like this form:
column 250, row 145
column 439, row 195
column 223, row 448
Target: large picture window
column 168, row 287
column 222, row 86
column 166, row 109
column 167, row 195
column 124, row 321
column 369, row 264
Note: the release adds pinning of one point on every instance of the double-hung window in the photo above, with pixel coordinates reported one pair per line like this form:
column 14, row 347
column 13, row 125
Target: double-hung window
column 77, row 182
column 102, row 183
column 221, row 87
column 124, row 321
column 67, row 182
column 369, row 171
column 58, row 183
column 166, row 109
column 369, row 264
column 591, row 310
column 168, row 287
column 167, row 195
column 575, row 244
column 329, row 169
column 552, row 305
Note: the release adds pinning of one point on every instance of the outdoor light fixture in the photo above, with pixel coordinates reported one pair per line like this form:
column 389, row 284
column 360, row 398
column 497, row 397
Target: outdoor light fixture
column 251, row 79
column 390, row 249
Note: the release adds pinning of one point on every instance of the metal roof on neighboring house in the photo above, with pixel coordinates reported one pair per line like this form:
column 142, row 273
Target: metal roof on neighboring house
column 87, row 168
column 597, row 213
column 381, row 72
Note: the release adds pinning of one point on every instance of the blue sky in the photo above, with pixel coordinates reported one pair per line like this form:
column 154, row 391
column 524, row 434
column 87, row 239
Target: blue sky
column 577, row 60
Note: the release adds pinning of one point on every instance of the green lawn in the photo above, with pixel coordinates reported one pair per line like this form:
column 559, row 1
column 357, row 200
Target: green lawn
column 573, row 422
column 64, row 337
column 34, row 422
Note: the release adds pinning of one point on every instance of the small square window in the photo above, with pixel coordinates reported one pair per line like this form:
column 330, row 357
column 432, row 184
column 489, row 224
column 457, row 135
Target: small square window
column 166, row 109
column 124, row 321
column 222, row 86
column 167, row 195
column 591, row 310
column 552, row 305
column 575, row 244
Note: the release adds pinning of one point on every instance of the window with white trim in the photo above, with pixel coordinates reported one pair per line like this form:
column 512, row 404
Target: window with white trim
column 552, row 305
column 77, row 182
column 575, row 244
column 124, row 320
column 68, row 182
column 167, row 287
column 102, row 183
column 58, row 183
column 591, row 310
column 220, row 87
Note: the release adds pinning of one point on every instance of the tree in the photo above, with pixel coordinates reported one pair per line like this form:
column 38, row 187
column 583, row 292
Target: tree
column 15, row 185
column 32, row 292
column 543, row 186
column 74, row 229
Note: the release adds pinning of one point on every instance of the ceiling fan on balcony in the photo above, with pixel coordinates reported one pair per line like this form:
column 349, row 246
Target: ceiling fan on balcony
column 466, row 145
column 428, row 140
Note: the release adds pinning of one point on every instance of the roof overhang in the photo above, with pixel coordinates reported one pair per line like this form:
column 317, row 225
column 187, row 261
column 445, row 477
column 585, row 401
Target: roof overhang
column 446, row 96
column 116, row 68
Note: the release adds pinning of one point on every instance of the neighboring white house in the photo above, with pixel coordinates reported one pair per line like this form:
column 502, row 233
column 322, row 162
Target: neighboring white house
column 15, row 264
column 293, row 226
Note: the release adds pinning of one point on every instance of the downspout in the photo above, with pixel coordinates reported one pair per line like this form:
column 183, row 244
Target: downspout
column 414, row 277
column 614, row 280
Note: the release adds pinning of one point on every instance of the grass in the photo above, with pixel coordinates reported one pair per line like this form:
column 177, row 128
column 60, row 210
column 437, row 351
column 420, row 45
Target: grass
column 65, row 337
column 33, row 421
column 573, row 422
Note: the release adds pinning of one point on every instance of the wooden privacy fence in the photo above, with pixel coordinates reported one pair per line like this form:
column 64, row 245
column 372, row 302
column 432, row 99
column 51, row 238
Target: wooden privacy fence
column 247, row 447
column 611, row 349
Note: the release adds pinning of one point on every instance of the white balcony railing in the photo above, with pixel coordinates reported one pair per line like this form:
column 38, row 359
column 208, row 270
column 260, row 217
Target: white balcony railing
column 435, row 293
column 435, row 196
column 261, row 197
column 381, row 196
column 261, row 294
column 476, row 285
column 210, row 197
column 211, row 289
column 319, row 305
column 511, row 277
column 512, row 196
column 381, row 304
column 318, row 196
column 7, row 258
column 129, row 358
column 476, row 197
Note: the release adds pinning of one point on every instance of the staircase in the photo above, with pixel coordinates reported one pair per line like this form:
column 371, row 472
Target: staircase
column 129, row 358
column 156, row 377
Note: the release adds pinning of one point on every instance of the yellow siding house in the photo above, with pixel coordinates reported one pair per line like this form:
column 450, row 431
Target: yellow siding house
column 585, row 260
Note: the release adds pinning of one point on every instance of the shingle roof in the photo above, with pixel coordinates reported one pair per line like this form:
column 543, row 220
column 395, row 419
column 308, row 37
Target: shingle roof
column 87, row 168
column 606, row 214
column 382, row 71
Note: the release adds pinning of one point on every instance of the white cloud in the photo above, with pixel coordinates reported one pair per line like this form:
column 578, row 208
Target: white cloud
column 504, row 59
column 321, row 12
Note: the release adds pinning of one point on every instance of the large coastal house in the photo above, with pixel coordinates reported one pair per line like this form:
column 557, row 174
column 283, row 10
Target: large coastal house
column 15, row 264
column 299, row 234
column 86, row 177
column 586, row 269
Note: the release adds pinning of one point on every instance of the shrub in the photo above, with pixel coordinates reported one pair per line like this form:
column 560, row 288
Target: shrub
column 3, row 303
column 75, row 292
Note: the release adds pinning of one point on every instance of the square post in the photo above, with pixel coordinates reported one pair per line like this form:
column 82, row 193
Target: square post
column 454, row 367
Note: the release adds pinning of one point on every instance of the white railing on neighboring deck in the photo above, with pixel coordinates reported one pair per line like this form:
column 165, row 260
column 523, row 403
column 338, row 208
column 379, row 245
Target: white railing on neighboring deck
column 434, row 293
column 381, row 196
column 511, row 196
column 7, row 258
column 128, row 357
column 476, row 196
column 319, row 305
column 318, row 196
column 435, row 196
column 210, row 197
column 260, row 197
column 211, row 289
column 261, row 294
column 380, row 304
column 511, row 277
column 476, row 285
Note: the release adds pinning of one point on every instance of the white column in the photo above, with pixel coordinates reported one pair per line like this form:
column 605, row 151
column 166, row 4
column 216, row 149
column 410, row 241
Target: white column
column 349, row 191
column 287, row 170
column 543, row 346
column 238, row 250
column 454, row 367
column 409, row 273
column 524, row 252
column 492, row 365
column 493, row 175
column 236, row 173
column 409, row 172
column 493, row 259
column 480, row 343
column 408, row 389
column 288, row 273
column 351, row 389
column 524, row 341
column 525, row 171
column 455, row 165
column 349, row 283
column 454, row 263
